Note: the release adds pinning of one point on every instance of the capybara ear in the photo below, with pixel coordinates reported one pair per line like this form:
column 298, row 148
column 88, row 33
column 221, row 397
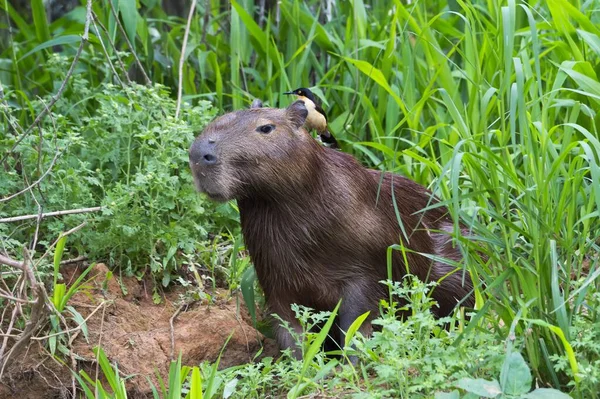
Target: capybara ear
column 297, row 113
column 256, row 103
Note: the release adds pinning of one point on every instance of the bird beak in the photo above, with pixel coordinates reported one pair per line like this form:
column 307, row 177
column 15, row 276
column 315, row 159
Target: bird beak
column 289, row 92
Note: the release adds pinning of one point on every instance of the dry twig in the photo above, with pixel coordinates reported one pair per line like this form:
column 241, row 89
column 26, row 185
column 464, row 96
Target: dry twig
column 35, row 183
column 171, row 321
column 48, row 214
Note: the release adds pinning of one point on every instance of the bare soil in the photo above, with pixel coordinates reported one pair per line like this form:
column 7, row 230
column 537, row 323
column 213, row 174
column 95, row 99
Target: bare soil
column 136, row 333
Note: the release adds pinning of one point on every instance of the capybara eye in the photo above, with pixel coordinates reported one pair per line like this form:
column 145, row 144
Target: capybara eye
column 265, row 128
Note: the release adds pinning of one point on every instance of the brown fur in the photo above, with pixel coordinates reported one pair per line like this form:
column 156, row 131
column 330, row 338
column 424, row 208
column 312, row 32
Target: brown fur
column 316, row 223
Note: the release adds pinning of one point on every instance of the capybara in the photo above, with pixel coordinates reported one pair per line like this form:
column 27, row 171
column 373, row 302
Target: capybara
column 317, row 224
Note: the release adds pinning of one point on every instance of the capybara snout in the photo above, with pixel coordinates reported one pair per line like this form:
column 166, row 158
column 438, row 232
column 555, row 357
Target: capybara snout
column 318, row 225
column 204, row 153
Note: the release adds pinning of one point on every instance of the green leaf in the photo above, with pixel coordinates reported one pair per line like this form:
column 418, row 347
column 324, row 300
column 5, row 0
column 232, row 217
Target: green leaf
column 58, row 252
column 592, row 40
column 567, row 346
column 586, row 83
column 515, row 377
column 74, row 287
column 375, row 74
column 546, row 393
column 175, row 379
column 53, row 42
column 447, row 395
column 129, row 14
column 255, row 31
column 196, row 384
column 78, row 318
column 481, row 387
column 354, row 327
column 247, row 286
column 40, row 21
column 312, row 351
column 229, row 388
column 58, row 295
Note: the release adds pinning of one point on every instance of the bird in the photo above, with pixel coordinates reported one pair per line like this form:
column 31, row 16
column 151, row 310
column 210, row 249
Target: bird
column 316, row 119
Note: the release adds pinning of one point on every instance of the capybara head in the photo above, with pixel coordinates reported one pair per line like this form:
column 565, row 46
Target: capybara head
column 243, row 153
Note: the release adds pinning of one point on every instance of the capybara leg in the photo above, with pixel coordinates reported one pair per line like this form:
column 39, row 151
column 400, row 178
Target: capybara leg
column 354, row 305
column 283, row 336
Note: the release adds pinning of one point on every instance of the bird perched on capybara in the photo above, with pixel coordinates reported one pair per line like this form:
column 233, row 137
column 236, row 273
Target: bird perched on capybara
column 317, row 224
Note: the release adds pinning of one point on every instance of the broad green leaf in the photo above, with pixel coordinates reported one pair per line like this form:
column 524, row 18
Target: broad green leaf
column 447, row 395
column 129, row 15
column 515, row 376
column 481, row 387
column 546, row 393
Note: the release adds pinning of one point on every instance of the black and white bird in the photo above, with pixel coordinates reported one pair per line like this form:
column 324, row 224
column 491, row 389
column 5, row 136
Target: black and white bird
column 316, row 119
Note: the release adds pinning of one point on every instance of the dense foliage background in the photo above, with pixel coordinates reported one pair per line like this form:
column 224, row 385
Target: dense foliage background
column 492, row 104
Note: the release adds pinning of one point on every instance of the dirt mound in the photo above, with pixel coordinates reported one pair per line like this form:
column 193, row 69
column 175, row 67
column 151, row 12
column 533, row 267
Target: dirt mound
column 137, row 335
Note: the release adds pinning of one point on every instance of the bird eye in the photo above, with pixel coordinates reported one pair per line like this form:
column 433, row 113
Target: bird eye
column 265, row 129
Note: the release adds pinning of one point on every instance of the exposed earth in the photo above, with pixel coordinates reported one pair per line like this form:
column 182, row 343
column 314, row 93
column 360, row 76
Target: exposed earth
column 135, row 333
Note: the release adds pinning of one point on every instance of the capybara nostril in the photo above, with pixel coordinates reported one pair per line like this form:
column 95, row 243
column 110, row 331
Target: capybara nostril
column 204, row 153
column 209, row 159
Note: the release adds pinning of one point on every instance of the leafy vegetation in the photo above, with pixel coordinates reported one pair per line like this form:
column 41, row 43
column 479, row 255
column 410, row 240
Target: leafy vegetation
column 492, row 104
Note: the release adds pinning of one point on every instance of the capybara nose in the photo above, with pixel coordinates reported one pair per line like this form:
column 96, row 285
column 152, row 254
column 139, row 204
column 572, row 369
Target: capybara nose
column 203, row 153
column 209, row 159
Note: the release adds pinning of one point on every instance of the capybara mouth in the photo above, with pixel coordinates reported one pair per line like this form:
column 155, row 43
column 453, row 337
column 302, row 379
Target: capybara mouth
column 207, row 183
column 217, row 197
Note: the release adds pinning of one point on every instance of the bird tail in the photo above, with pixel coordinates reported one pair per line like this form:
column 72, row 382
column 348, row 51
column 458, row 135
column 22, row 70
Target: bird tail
column 327, row 138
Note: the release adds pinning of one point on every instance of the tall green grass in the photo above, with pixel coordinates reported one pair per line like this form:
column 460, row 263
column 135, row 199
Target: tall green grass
column 493, row 104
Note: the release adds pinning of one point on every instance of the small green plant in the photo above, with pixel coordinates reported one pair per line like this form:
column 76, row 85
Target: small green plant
column 586, row 344
column 60, row 298
column 122, row 149
column 93, row 388
column 182, row 380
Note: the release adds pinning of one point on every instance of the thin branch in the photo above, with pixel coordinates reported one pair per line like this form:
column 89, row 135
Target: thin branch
column 5, row 260
column 63, row 86
column 99, row 345
column 12, row 298
column 35, row 183
column 74, row 260
column 72, row 330
column 171, row 321
column 182, row 56
column 112, row 67
column 48, row 214
column 122, row 29
column 97, row 20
